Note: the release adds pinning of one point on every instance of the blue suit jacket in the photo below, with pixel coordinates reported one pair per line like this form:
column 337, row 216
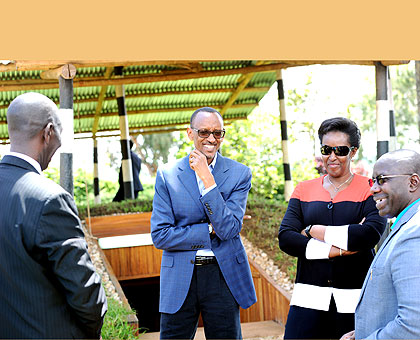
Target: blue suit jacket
column 389, row 304
column 179, row 226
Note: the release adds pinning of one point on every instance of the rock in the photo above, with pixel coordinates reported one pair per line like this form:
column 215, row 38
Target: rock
column 267, row 264
column 96, row 258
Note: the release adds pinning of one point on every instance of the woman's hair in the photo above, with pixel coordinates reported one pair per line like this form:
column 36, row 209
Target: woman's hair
column 341, row 124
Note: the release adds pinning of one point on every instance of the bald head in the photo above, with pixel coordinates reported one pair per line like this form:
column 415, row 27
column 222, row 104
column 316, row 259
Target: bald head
column 28, row 114
column 404, row 160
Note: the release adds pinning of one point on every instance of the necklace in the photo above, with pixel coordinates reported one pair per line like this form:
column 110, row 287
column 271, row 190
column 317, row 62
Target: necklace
column 338, row 188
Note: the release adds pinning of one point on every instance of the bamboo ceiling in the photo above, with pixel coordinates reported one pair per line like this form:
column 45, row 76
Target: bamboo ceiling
column 160, row 95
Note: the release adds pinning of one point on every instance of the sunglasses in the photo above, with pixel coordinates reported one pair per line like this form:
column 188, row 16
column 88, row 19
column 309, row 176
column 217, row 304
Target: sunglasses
column 342, row 150
column 206, row 133
column 381, row 179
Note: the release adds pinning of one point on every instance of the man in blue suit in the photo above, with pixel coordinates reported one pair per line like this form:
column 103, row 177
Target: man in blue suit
column 198, row 209
column 389, row 303
column 48, row 285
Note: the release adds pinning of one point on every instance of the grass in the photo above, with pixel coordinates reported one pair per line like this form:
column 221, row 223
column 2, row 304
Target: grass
column 263, row 227
column 127, row 206
column 116, row 325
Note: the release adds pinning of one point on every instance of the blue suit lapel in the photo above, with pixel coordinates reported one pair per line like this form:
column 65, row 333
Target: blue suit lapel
column 188, row 179
column 219, row 171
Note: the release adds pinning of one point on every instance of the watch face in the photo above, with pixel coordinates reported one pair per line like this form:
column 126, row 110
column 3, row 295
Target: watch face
column 210, row 229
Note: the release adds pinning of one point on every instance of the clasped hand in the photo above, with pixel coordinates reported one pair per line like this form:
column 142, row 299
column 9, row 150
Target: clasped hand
column 198, row 162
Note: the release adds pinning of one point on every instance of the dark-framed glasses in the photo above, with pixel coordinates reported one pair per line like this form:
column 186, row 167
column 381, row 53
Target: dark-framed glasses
column 342, row 150
column 206, row 133
column 381, row 179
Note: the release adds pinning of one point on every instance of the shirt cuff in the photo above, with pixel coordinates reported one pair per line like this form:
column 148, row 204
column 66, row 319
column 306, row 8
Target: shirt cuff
column 317, row 250
column 337, row 236
column 205, row 191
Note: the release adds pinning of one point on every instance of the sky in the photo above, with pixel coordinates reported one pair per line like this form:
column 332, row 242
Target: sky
column 334, row 88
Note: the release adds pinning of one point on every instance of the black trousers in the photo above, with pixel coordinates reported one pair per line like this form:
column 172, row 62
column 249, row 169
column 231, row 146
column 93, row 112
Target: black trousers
column 210, row 295
column 306, row 323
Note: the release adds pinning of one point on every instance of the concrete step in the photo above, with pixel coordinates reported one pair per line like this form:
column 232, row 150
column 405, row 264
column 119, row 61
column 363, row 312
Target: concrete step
column 250, row 330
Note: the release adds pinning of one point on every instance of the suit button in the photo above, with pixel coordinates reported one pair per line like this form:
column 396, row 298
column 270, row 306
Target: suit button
column 192, row 261
column 329, row 282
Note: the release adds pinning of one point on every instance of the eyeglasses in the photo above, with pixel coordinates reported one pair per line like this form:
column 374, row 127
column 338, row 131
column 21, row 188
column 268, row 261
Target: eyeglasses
column 381, row 179
column 341, row 150
column 206, row 133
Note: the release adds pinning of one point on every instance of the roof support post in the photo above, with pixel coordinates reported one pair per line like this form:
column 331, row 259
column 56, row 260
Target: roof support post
column 382, row 121
column 392, row 125
column 97, row 198
column 288, row 185
column 65, row 80
column 382, row 110
column 127, row 170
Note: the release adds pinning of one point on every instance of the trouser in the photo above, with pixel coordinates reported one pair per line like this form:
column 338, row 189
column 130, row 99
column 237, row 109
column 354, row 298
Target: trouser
column 210, row 295
column 306, row 323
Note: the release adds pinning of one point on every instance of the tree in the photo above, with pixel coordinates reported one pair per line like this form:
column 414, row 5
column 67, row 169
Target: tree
column 154, row 149
column 80, row 179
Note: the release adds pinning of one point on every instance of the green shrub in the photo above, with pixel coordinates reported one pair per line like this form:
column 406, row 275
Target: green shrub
column 263, row 227
column 124, row 207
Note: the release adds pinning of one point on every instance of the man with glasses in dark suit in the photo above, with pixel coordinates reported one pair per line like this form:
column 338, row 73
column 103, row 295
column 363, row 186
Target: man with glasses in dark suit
column 48, row 285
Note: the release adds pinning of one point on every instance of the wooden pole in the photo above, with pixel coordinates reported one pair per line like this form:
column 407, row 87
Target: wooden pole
column 127, row 170
column 392, row 125
column 96, row 191
column 288, row 184
column 382, row 110
column 67, row 136
column 382, row 122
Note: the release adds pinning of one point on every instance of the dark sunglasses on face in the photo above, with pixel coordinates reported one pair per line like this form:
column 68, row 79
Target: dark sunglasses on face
column 341, row 150
column 206, row 133
column 381, row 179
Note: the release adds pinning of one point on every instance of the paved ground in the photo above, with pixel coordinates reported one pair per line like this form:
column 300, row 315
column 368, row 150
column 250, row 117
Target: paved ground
column 269, row 330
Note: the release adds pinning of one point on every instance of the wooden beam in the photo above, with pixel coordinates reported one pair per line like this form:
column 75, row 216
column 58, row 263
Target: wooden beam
column 138, row 79
column 99, row 104
column 37, row 65
column 33, row 65
column 67, row 71
column 342, row 62
column 243, row 82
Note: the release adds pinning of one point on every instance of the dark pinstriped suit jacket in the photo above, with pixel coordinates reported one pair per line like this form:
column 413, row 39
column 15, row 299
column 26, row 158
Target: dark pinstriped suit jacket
column 48, row 286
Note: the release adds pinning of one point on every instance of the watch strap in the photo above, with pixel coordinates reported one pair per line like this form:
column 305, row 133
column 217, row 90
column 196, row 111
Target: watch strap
column 308, row 231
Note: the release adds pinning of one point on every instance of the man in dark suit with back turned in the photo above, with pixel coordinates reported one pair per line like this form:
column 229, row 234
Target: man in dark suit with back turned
column 136, row 166
column 48, row 285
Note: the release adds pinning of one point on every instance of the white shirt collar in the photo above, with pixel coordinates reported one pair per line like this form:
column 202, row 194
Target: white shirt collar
column 213, row 163
column 30, row 160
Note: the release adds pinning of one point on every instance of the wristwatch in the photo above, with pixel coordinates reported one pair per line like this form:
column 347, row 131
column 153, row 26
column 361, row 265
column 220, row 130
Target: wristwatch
column 308, row 230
